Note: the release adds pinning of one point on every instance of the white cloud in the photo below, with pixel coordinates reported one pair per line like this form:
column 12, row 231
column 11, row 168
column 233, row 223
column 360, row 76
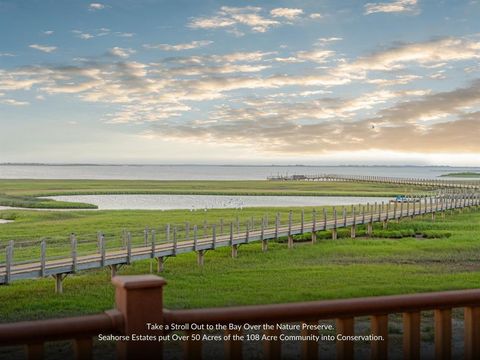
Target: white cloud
column 6, row 54
column 319, row 56
column 48, row 32
column 427, row 53
column 231, row 17
column 125, row 34
column 315, row 16
column 121, row 52
column 93, row 34
column 14, row 102
column 179, row 47
column 96, row 6
column 398, row 80
column 288, row 13
column 323, row 41
column 44, row 48
column 420, row 122
column 395, row 6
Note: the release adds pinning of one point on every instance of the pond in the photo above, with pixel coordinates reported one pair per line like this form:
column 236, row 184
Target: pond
column 203, row 202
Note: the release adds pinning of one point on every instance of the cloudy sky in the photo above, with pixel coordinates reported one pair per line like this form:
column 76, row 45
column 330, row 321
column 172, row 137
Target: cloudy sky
column 299, row 81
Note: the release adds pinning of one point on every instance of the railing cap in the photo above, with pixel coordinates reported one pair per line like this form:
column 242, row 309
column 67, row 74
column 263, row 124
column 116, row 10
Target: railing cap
column 138, row 281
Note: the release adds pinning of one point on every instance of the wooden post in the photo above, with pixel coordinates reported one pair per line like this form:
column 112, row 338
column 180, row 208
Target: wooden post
column 167, row 233
column 234, row 246
column 214, row 236
column 43, row 257
column 124, row 239
column 345, row 349
column 344, row 217
column 334, row 230
column 102, row 250
column 195, row 240
column 411, row 335
column 145, row 236
column 175, row 244
column 443, row 334
column 8, row 264
column 113, row 270
column 129, row 247
column 277, row 220
column 154, row 243
column 472, row 333
column 160, row 264
column 369, row 229
column 262, row 236
column 200, row 257
column 303, row 220
column 11, row 243
column 73, row 242
column 247, row 232
column 380, row 328
column 353, row 230
column 272, row 349
column 309, row 347
column 135, row 297
column 314, row 226
column 233, row 348
column 290, row 237
column 324, row 219
column 59, row 282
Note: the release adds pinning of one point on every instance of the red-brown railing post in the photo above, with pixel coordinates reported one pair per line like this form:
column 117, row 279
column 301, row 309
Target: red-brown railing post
column 345, row 326
column 411, row 335
column 380, row 328
column 35, row 351
column 272, row 349
column 443, row 334
column 83, row 348
column 233, row 348
column 139, row 299
column 310, row 347
column 472, row 333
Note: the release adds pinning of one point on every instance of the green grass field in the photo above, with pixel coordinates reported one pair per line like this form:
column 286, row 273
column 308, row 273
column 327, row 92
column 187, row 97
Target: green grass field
column 446, row 258
column 22, row 193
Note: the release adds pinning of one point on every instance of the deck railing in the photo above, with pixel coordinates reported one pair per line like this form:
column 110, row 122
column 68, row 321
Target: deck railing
column 139, row 301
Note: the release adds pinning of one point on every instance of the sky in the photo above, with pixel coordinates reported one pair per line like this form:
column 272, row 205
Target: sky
column 240, row 82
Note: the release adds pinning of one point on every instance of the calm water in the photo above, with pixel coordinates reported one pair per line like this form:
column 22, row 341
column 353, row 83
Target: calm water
column 202, row 202
column 210, row 172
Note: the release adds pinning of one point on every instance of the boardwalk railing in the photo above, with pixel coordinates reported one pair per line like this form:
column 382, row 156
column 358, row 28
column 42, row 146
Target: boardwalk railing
column 437, row 183
column 215, row 236
column 139, row 300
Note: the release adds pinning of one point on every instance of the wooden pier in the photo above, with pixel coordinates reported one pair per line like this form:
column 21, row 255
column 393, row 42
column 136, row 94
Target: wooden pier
column 215, row 236
column 434, row 183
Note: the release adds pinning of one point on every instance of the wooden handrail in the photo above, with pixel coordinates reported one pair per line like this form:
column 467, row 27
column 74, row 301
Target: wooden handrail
column 25, row 332
column 327, row 309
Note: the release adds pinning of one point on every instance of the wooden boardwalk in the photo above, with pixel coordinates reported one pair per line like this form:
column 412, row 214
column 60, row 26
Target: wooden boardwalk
column 435, row 183
column 60, row 267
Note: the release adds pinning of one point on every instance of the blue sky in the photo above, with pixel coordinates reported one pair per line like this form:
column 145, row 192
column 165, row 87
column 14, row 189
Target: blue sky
column 311, row 82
